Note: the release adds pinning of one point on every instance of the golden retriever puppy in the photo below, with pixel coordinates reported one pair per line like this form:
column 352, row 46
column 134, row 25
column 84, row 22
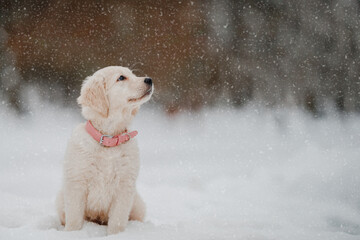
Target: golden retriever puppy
column 101, row 163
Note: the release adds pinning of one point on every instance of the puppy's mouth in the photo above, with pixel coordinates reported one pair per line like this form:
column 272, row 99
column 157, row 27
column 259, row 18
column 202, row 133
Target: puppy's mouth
column 147, row 93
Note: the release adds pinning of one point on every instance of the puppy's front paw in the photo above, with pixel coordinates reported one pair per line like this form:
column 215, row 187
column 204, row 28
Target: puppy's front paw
column 73, row 226
column 114, row 229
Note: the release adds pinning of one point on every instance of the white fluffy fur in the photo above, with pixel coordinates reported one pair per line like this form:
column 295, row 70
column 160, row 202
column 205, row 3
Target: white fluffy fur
column 100, row 182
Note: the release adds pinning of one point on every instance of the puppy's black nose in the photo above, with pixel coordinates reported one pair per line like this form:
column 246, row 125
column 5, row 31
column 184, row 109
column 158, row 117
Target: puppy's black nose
column 148, row 81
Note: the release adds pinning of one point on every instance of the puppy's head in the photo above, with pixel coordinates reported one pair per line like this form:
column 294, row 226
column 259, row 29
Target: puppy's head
column 113, row 89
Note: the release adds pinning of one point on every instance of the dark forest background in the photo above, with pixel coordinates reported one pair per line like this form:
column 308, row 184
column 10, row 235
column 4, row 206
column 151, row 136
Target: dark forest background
column 199, row 53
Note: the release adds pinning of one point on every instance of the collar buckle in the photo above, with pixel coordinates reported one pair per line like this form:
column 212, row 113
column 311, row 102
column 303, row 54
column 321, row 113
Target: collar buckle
column 102, row 138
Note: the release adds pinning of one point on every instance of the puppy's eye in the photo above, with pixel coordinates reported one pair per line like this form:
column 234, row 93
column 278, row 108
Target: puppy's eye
column 121, row 78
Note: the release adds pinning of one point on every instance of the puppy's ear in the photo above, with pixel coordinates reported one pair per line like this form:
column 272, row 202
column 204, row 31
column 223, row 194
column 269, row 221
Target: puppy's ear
column 93, row 95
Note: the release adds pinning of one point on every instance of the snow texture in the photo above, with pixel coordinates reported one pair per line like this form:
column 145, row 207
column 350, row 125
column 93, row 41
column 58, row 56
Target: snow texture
column 253, row 173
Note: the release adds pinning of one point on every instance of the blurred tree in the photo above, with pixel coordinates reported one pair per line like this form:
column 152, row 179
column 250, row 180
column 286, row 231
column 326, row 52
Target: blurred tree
column 199, row 52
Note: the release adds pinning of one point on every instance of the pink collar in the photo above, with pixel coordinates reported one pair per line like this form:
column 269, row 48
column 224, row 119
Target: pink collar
column 107, row 140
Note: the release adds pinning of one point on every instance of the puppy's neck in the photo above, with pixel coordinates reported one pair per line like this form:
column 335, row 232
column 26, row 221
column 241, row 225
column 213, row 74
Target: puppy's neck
column 114, row 124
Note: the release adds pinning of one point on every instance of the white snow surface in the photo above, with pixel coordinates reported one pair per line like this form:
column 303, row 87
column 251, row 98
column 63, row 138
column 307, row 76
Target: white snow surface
column 252, row 173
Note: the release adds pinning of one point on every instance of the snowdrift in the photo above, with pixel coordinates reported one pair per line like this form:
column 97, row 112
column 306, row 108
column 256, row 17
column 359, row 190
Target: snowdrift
column 218, row 174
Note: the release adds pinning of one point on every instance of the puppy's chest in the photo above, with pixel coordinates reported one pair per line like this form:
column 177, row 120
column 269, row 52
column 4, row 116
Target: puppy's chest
column 109, row 167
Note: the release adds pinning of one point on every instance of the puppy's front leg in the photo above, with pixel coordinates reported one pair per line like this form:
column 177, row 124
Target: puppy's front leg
column 120, row 208
column 75, row 200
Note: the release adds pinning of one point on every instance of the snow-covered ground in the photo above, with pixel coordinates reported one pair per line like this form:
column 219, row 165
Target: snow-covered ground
column 218, row 174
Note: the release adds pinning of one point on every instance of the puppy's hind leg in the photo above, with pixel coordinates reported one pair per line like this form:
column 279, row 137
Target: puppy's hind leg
column 60, row 207
column 138, row 209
